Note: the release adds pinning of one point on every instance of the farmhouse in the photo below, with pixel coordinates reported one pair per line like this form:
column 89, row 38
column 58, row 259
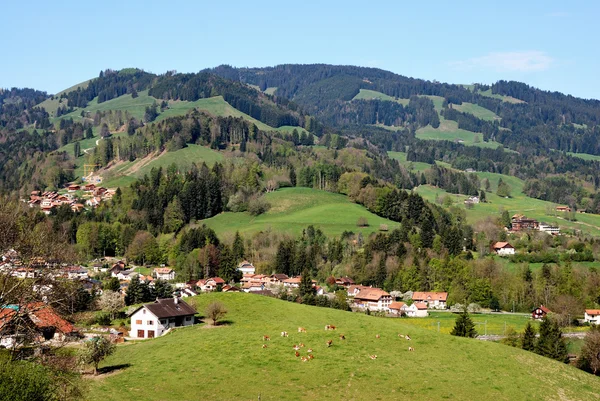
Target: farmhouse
column 355, row 289
column 246, row 267
column 210, row 284
column 592, row 316
column 35, row 321
column 397, row 308
column 539, row 313
column 344, row 282
column 277, row 279
column 433, row 300
column 521, row 223
column 563, row 209
column 293, row 282
column 503, row 249
column 164, row 273
column 154, row 319
column 417, row 309
column 373, row 299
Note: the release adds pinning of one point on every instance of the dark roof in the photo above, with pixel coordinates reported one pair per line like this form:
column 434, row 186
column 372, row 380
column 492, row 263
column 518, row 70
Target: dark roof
column 168, row 308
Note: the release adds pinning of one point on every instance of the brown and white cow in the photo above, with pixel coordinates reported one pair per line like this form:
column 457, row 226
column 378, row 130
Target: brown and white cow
column 266, row 338
column 329, row 343
column 411, row 349
column 301, row 330
column 284, row 334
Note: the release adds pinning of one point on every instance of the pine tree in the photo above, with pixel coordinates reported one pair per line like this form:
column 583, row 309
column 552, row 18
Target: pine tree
column 381, row 272
column 77, row 149
column 89, row 134
column 306, row 287
column 239, row 252
column 464, row 327
column 292, row 176
column 551, row 344
column 132, row 291
column 528, row 339
column 161, row 289
column 173, row 217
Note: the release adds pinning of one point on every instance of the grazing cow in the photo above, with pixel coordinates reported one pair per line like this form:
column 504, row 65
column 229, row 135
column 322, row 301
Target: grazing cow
column 329, row 343
column 304, row 359
column 377, row 336
column 301, row 330
column 311, row 356
column 401, row 335
column 411, row 349
column 266, row 338
column 297, row 348
column 407, row 337
column 373, row 357
column 301, row 345
column 284, row 334
column 330, row 327
column 297, row 354
column 264, row 345
column 309, row 350
column 342, row 337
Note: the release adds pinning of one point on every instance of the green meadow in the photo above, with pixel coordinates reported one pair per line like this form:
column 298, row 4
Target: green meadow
column 477, row 111
column 228, row 362
column 449, row 131
column 293, row 209
column 585, row 156
column 367, row 94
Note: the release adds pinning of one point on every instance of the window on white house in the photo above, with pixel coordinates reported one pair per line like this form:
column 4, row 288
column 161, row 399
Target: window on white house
column 138, row 322
column 150, row 322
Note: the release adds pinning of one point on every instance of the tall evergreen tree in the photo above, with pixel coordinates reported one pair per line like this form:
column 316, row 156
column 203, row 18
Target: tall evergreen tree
column 528, row 339
column 292, row 176
column 551, row 343
column 239, row 252
column 464, row 327
column 306, row 287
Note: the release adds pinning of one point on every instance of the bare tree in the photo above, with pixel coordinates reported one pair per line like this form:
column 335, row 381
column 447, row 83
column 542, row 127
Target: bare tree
column 215, row 311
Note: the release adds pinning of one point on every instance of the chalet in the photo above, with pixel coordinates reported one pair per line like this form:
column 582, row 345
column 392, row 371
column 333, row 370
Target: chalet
column 373, row 299
column 164, row 273
column 563, row 209
column 470, row 170
column 210, row 284
column 592, row 316
column 116, row 268
column 521, row 223
column 344, row 282
column 547, row 228
column 353, row 290
column 319, row 290
column 293, row 282
column 154, row 319
column 89, row 187
column 433, row 300
column 503, row 249
column 126, row 275
column 540, row 312
column 472, row 200
column 77, row 207
column 75, row 272
column 246, row 267
column 253, row 286
column 397, row 308
column 188, row 292
column 24, row 272
column 277, row 279
column 417, row 309
column 93, row 202
column 73, row 188
column 230, row 288
column 36, row 322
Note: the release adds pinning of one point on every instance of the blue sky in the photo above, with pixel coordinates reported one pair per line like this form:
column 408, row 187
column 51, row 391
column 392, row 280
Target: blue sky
column 549, row 44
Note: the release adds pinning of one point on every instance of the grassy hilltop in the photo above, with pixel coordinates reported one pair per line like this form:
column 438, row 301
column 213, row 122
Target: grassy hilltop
column 228, row 362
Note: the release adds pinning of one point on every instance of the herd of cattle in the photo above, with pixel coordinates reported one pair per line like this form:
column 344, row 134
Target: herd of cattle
column 329, row 343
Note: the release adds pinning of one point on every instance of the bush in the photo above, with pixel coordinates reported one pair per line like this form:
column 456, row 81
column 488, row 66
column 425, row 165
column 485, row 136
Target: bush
column 258, row 206
column 362, row 222
column 215, row 311
column 103, row 319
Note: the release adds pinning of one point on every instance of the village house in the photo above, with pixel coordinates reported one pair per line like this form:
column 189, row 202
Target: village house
column 373, row 299
column 563, row 209
column 24, row 272
column 73, row 188
column 164, row 273
column 126, row 275
column 472, row 200
column 210, row 284
column 521, row 223
column 116, row 268
column 417, row 309
column 35, row 322
column 75, row 272
column 230, row 288
column 433, row 300
column 540, row 312
column 154, row 319
column 344, row 282
column 293, row 282
column 592, row 316
column 246, row 267
column 550, row 229
column 253, row 286
column 397, row 308
column 503, row 249
column 278, row 278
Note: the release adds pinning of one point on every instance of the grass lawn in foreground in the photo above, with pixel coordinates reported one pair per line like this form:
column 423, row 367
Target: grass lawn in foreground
column 293, row 209
column 230, row 363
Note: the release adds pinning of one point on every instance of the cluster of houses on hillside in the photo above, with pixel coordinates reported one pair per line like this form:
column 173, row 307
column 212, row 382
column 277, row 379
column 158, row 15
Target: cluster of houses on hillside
column 49, row 200
column 520, row 222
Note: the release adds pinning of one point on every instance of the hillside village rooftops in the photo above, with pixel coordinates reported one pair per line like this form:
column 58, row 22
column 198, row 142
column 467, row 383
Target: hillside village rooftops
column 371, row 294
column 420, row 305
column 592, row 311
column 430, row 296
column 396, row 305
column 163, row 270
